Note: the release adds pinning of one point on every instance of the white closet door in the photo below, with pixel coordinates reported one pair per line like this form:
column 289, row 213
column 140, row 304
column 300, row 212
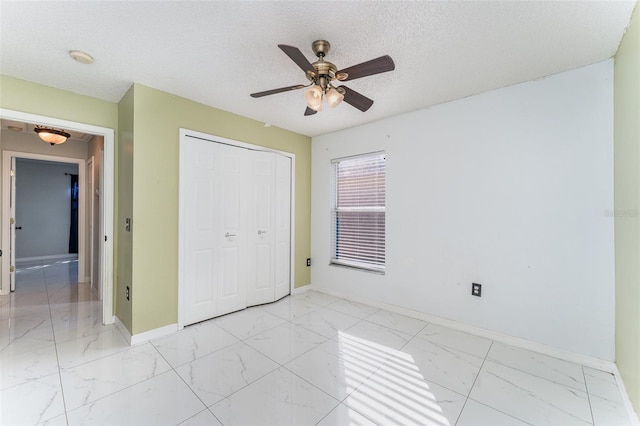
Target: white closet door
column 283, row 227
column 261, row 229
column 237, row 226
column 232, row 238
column 201, row 230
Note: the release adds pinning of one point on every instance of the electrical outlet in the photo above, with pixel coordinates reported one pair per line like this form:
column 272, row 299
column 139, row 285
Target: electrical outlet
column 308, row 261
column 476, row 289
column 128, row 293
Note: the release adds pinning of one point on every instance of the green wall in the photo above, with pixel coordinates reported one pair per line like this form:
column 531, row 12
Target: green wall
column 157, row 119
column 627, row 207
column 147, row 123
column 24, row 96
column 124, row 209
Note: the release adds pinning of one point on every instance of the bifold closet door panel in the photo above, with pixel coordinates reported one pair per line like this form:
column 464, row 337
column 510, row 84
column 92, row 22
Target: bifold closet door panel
column 261, row 228
column 232, row 239
column 283, row 227
column 201, row 231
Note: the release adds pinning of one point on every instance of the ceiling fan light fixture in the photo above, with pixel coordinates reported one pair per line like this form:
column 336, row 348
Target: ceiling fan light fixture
column 322, row 74
column 313, row 96
column 51, row 135
column 334, row 97
column 317, row 106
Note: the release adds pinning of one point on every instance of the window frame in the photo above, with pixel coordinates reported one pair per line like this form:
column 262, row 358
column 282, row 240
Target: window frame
column 378, row 268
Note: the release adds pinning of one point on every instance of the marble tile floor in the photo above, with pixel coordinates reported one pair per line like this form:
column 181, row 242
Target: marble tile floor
column 309, row 359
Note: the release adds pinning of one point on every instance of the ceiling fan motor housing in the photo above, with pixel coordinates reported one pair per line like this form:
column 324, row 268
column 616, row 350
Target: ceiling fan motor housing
column 325, row 71
column 321, row 47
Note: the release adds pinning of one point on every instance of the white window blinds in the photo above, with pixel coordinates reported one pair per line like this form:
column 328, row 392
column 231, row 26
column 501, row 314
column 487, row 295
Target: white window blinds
column 358, row 215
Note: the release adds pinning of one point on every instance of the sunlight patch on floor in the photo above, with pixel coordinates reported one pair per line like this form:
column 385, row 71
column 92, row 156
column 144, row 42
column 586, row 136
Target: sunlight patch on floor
column 397, row 392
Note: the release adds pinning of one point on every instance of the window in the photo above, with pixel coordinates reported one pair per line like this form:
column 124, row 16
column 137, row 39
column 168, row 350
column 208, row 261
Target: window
column 358, row 214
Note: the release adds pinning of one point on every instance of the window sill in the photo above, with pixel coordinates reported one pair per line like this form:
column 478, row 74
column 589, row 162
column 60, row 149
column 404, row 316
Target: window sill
column 357, row 267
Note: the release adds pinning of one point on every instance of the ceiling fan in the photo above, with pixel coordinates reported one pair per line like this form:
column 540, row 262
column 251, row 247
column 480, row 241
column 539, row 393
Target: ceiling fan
column 322, row 74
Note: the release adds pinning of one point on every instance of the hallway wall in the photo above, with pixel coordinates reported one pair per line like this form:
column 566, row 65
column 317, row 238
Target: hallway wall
column 43, row 208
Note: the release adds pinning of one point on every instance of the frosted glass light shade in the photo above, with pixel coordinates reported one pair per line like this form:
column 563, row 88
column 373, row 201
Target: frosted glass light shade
column 334, row 97
column 313, row 97
column 52, row 136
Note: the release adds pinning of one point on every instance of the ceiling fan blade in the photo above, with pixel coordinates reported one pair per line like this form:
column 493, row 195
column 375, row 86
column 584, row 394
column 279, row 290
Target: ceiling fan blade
column 309, row 111
column 356, row 100
column 296, row 56
column 274, row 91
column 374, row 66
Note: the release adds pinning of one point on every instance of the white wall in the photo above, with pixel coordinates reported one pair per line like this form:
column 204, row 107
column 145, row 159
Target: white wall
column 43, row 207
column 508, row 188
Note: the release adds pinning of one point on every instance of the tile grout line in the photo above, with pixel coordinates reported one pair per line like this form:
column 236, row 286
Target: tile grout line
column 474, row 382
column 206, row 407
column 493, row 408
column 340, row 402
column 55, row 344
column 66, row 411
column 537, row 354
column 243, row 341
column 280, row 366
column 130, row 385
column 586, row 386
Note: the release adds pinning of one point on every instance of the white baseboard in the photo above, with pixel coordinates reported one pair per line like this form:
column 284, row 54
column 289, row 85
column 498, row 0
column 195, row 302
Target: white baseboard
column 67, row 256
column 301, row 289
column 147, row 335
column 154, row 334
column 625, row 398
column 586, row 360
column 123, row 329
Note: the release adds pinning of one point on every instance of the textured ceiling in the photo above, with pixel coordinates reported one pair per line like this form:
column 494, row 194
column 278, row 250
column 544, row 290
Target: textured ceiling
column 217, row 52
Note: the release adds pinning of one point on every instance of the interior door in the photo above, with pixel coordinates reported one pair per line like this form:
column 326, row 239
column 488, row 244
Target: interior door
column 201, row 233
column 283, row 227
column 261, row 229
column 231, row 236
column 12, row 225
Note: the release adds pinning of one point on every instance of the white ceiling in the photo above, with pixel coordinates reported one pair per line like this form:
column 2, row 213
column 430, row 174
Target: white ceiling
column 218, row 52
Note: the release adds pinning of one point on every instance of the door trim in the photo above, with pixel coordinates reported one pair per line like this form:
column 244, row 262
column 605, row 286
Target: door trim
column 184, row 134
column 91, row 192
column 7, row 156
column 108, row 204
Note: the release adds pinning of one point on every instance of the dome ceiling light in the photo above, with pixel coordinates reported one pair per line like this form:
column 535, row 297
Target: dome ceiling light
column 52, row 136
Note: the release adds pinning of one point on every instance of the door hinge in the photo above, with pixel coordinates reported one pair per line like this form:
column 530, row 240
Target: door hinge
column 12, row 268
column 12, row 173
column 12, row 220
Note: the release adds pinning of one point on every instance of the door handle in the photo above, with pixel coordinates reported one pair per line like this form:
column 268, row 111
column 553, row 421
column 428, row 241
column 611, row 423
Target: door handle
column 260, row 232
column 18, row 227
column 227, row 235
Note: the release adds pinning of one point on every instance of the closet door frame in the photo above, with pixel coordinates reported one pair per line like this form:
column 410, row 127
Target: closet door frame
column 185, row 136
